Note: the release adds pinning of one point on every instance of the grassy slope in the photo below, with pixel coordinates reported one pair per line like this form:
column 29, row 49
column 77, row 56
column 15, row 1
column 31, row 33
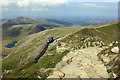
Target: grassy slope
column 31, row 69
column 15, row 58
column 20, row 31
column 107, row 33
column 11, row 62
column 30, row 47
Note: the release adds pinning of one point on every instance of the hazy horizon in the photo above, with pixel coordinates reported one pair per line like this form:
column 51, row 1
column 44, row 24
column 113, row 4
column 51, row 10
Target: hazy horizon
column 60, row 9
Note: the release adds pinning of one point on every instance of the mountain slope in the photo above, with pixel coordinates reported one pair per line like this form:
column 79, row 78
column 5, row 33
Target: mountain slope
column 72, row 38
column 14, row 30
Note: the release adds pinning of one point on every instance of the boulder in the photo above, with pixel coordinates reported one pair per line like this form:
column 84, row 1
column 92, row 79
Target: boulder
column 7, row 71
column 115, row 50
column 39, row 77
column 114, row 75
column 59, row 73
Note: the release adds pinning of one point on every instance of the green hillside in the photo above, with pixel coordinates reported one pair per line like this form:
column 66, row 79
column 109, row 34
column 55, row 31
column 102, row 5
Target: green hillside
column 21, row 60
column 21, row 27
column 106, row 33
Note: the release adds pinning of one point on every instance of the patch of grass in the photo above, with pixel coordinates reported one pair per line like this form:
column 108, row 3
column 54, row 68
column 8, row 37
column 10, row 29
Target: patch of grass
column 31, row 69
column 53, row 50
column 14, row 59
column 110, row 32
column 113, row 69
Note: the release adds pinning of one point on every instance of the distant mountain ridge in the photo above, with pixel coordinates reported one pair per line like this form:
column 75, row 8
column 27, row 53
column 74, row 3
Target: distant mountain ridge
column 63, row 21
column 26, row 23
column 25, row 20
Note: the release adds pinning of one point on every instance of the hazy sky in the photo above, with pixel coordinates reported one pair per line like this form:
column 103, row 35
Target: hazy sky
column 59, row 8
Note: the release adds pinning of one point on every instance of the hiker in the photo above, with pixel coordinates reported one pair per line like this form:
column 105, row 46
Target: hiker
column 59, row 44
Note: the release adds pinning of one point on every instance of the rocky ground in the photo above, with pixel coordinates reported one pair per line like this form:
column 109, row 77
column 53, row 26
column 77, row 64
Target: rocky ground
column 89, row 60
column 82, row 63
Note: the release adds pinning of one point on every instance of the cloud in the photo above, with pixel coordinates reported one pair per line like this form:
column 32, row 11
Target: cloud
column 93, row 5
column 39, row 9
column 96, row 0
column 26, row 3
column 23, row 3
column 5, row 3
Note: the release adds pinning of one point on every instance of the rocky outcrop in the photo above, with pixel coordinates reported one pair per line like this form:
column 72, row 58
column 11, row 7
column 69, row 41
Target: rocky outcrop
column 110, row 58
column 82, row 63
column 115, row 50
column 87, row 41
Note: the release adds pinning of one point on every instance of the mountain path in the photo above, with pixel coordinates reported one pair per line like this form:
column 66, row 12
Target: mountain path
column 82, row 63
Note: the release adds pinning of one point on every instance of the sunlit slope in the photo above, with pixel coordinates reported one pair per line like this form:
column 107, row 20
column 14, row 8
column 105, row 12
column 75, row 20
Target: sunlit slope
column 21, row 27
column 26, row 49
column 30, row 46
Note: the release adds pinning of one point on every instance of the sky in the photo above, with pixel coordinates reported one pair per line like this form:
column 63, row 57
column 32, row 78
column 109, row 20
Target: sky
column 59, row 8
